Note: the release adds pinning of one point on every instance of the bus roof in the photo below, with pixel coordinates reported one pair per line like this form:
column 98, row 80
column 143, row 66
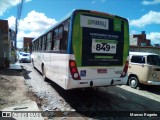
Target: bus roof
column 71, row 13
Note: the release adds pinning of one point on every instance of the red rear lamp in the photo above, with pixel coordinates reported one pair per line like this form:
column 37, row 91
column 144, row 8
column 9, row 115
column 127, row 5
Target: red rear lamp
column 72, row 64
column 74, row 70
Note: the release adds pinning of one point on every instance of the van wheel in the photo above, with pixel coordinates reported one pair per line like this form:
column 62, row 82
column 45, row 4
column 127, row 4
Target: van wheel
column 133, row 82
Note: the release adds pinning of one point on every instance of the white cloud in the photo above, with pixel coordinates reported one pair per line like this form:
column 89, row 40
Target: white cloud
column 154, row 37
column 11, row 21
column 6, row 4
column 150, row 18
column 154, row 2
column 31, row 26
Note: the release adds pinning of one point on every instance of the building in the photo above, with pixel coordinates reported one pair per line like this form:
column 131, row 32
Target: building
column 139, row 40
column 12, row 37
column 139, row 43
column 151, row 49
column 4, row 42
column 27, row 44
column 157, row 45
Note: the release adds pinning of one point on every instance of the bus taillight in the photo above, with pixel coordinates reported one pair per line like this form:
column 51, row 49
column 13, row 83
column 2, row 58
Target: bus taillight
column 125, row 69
column 73, row 70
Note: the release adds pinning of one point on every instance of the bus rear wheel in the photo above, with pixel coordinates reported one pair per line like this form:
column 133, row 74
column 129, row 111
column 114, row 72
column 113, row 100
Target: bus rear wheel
column 33, row 63
column 133, row 82
column 44, row 73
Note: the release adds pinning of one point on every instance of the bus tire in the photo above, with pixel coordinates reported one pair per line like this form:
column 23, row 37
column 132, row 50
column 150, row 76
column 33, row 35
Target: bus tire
column 33, row 63
column 133, row 82
column 44, row 73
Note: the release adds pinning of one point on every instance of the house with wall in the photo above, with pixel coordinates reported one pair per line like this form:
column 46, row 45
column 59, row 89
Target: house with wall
column 5, row 46
column 27, row 44
column 139, row 43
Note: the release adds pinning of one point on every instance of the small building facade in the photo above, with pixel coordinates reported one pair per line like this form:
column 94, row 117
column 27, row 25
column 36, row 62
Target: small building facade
column 139, row 43
column 5, row 44
column 151, row 49
column 27, row 44
column 139, row 39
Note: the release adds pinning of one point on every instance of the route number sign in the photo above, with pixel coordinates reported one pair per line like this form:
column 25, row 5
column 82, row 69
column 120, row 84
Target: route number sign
column 104, row 46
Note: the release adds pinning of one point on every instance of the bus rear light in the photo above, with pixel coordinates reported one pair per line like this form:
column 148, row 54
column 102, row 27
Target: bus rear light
column 72, row 64
column 125, row 69
column 73, row 70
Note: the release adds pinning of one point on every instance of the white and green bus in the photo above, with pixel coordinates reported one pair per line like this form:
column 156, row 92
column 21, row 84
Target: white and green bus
column 87, row 49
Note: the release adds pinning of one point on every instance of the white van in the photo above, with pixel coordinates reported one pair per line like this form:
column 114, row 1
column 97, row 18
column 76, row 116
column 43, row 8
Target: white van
column 144, row 68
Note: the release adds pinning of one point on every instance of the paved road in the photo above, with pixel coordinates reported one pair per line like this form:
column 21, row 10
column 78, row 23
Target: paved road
column 121, row 100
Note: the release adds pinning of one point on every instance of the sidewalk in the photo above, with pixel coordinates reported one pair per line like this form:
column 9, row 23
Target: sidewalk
column 15, row 66
column 28, row 110
column 15, row 99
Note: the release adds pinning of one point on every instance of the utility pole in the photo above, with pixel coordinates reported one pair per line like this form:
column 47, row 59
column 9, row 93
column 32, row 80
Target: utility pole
column 19, row 12
column 16, row 29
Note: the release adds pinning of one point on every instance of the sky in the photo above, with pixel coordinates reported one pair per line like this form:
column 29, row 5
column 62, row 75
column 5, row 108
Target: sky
column 38, row 15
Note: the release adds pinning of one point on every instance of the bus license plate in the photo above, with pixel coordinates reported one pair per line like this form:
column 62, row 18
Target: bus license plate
column 101, row 70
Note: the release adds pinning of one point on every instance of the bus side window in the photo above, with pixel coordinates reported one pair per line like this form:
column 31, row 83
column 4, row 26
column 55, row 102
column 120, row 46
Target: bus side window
column 33, row 46
column 56, row 44
column 52, row 42
column 60, row 32
column 44, row 43
column 36, row 45
column 56, row 41
column 39, row 44
column 65, row 36
column 49, row 40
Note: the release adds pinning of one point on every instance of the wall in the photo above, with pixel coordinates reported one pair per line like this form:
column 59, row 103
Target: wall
column 4, row 42
column 151, row 49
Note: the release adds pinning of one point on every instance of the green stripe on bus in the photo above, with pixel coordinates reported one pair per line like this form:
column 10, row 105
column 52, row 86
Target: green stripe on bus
column 117, row 24
column 77, row 40
column 126, row 41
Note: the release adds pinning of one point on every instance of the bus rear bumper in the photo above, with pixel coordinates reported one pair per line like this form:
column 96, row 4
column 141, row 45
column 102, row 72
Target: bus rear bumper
column 102, row 82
